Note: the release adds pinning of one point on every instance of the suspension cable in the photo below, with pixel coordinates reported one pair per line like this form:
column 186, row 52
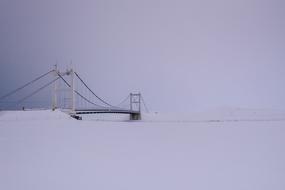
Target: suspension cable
column 88, row 100
column 118, row 105
column 38, row 90
column 92, row 91
column 146, row 108
column 79, row 93
column 25, row 85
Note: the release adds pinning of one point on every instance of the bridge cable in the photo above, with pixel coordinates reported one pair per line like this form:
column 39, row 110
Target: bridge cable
column 25, row 85
column 124, row 100
column 38, row 90
column 93, row 92
column 79, row 93
column 146, row 108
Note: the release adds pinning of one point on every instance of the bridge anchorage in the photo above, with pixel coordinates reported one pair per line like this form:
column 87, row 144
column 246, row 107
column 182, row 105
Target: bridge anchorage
column 72, row 95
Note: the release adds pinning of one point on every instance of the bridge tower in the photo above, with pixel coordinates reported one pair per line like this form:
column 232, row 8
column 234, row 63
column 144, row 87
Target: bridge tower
column 71, row 90
column 135, row 105
column 54, row 89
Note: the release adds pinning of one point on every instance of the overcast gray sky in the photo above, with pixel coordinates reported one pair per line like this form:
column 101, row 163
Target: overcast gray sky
column 183, row 55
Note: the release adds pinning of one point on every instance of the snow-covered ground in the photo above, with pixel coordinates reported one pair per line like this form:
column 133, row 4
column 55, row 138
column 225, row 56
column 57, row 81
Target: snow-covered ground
column 229, row 149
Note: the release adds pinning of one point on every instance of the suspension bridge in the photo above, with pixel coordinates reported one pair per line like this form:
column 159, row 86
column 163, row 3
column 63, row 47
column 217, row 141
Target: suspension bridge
column 71, row 94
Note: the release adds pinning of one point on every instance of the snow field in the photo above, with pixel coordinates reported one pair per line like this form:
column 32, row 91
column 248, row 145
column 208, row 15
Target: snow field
column 46, row 150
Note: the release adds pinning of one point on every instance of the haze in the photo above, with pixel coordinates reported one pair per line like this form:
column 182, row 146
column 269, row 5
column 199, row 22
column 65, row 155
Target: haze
column 181, row 55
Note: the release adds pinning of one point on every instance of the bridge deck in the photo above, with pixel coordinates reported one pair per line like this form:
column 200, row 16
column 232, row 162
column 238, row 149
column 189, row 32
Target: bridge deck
column 97, row 111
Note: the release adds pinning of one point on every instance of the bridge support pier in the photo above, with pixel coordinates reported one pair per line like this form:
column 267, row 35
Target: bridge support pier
column 135, row 116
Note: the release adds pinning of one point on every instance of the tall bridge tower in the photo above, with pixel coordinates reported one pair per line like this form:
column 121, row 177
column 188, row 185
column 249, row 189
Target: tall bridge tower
column 56, row 88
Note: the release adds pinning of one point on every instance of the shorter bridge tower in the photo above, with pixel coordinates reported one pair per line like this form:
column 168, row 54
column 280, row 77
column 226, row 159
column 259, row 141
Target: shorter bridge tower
column 135, row 105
